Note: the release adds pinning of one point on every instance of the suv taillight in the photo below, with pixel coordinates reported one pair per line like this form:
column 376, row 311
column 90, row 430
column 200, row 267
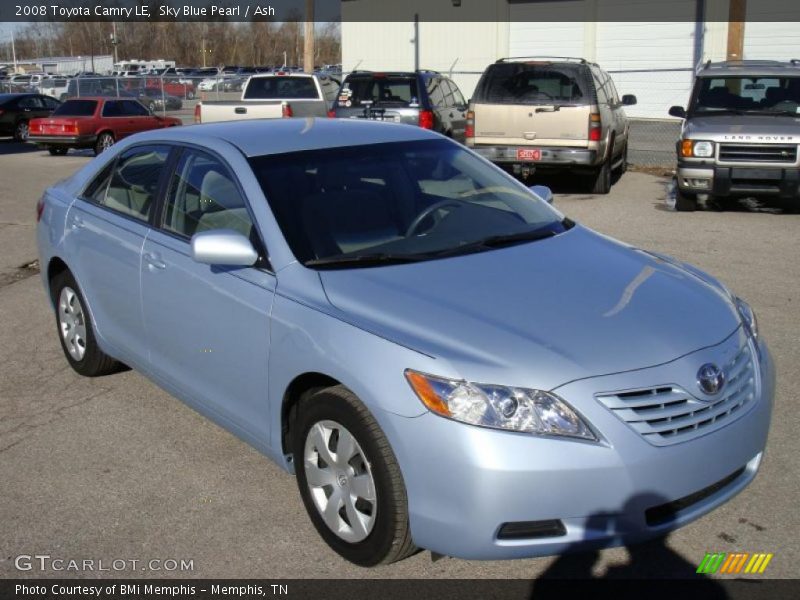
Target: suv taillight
column 197, row 113
column 469, row 131
column 595, row 127
column 286, row 110
column 426, row 119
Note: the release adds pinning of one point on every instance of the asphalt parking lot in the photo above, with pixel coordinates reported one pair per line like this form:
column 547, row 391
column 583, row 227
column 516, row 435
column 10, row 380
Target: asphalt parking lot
column 114, row 468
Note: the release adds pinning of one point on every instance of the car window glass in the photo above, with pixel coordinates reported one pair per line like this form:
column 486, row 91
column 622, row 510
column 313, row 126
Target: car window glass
column 50, row 103
column 612, row 90
column 96, row 190
column 203, row 196
column 379, row 90
column 30, row 102
column 278, row 87
column 112, row 108
column 134, row 181
column 435, row 92
column 533, row 83
column 458, row 97
column 600, row 88
column 132, row 108
column 76, row 108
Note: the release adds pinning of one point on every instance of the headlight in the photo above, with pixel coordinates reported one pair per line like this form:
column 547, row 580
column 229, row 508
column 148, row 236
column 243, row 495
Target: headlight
column 698, row 149
column 500, row 407
column 747, row 315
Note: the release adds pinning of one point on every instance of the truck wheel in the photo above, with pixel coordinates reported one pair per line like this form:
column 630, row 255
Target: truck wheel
column 349, row 479
column 601, row 179
column 684, row 202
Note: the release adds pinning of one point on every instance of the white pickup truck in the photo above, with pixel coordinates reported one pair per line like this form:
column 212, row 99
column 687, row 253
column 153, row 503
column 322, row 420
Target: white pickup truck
column 273, row 96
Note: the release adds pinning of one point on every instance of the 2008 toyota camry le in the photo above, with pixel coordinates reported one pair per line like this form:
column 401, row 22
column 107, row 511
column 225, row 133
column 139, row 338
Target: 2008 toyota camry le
column 442, row 359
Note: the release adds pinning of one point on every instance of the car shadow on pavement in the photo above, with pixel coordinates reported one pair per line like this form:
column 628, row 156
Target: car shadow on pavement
column 10, row 146
column 650, row 560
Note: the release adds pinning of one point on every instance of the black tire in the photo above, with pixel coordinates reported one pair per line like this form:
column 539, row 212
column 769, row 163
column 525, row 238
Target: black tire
column 57, row 151
column 94, row 361
column 390, row 537
column 623, row 166
column 21, row 131
column 101, row 142
column 684, row 202
column 601, row 179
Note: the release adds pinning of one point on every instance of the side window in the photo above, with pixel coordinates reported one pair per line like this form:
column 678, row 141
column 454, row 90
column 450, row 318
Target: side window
column 447, row 88
column 134, row 181
column 112, row 108
column 600, row 87
column 30, row 102
column 132, row 108
column 50, row 103
column 203, row 196
column 612, row 90
column 458, row 97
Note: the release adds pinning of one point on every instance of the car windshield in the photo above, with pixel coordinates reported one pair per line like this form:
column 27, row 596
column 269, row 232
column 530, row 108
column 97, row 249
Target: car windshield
column 76, row 108
column 279, row 87
column 767, row 94
column 533, row 83
column 397, row 202
column 379, row 90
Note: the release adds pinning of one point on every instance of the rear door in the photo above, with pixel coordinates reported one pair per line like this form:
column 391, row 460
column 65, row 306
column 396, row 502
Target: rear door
column 106, row 228
column 533, row 103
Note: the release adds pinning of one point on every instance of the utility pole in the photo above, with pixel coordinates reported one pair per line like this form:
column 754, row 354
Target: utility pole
column 416, row 41
column 13, row 49
column 737, row 16
column 308, row 59
column 114, row 40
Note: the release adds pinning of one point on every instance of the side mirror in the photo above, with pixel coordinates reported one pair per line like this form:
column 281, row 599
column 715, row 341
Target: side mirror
column 677, row 111
column 223, row 247
column 544, row 192
column 628, row 100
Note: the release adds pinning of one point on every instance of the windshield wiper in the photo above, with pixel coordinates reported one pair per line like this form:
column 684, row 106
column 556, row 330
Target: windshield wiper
column 496, row 241
column 364, row 260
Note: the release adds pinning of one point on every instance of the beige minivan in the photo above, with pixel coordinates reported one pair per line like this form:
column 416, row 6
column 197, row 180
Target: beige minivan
column 550, row 113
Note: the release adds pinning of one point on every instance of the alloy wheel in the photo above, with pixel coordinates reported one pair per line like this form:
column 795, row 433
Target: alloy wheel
column 72, row 322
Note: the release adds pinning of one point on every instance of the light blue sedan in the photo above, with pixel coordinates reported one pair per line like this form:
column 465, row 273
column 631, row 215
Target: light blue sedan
column 442, row 358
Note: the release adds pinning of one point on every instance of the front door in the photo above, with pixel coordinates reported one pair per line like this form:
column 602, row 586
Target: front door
column 208, row 326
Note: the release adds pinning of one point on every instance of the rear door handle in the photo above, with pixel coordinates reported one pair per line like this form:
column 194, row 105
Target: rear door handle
column 154, row 261
column 240, row 110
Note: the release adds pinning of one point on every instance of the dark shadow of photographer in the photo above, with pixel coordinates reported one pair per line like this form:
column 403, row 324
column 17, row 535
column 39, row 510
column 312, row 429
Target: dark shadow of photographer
column 649, row 560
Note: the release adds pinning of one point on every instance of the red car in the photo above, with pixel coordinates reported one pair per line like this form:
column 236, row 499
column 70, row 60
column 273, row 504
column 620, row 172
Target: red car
column 93, row 123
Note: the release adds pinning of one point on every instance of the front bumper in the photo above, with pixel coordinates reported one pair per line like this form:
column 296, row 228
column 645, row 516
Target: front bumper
column 731, row 182
column 72, row 141
column 464, row 482
column 550, row 156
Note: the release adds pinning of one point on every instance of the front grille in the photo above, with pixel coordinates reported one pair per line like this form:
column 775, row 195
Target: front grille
column 668, row 414
column 758, row 153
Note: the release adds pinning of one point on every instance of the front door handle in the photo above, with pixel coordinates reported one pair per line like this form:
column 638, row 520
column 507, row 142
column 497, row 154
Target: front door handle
column 154, row 261
column 77, row 223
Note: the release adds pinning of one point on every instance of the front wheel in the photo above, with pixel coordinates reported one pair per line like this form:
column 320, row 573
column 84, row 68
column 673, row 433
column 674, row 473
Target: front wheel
column 684, row 202
column 104, row 141
column 75, row 329
column 349, row 479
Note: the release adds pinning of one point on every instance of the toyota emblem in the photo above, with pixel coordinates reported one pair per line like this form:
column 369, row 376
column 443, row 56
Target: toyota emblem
column 710, row 378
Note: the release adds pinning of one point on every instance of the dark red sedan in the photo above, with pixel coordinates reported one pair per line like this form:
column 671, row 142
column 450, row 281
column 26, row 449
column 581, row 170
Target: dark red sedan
column 94, row 123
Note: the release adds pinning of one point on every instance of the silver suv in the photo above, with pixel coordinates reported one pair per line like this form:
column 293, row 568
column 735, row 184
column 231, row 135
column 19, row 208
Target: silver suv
column 740, row 134
column 550, row 113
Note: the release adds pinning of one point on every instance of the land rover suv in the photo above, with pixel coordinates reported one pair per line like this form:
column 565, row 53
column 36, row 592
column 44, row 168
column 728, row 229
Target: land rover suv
column 740, row 134
column 549, row 113
column 424, row 98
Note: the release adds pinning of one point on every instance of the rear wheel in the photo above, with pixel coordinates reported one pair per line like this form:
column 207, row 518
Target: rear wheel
column 104, row 141
column 684, row 202
column 349, row 479
column 75, row 331
column 57, row 151
column 21, row 131
column 601, row 179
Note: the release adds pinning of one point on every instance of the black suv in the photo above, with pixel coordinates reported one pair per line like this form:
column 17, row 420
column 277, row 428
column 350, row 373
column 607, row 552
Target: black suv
column 424, row 98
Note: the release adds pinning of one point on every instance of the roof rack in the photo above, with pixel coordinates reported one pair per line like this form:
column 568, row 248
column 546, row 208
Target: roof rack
column 428, row 71
column 744, row 64
column 582, row 61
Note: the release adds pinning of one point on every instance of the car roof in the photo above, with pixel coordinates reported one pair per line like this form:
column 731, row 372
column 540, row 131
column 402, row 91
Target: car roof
column 259, row 137
column 751, row 68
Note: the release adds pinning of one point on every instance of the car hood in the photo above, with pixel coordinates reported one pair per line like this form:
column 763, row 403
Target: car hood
column 715, row 128
column 539, row 314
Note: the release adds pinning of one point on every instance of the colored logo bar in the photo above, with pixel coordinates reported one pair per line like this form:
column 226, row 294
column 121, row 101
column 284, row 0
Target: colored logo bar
column 734, row 562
